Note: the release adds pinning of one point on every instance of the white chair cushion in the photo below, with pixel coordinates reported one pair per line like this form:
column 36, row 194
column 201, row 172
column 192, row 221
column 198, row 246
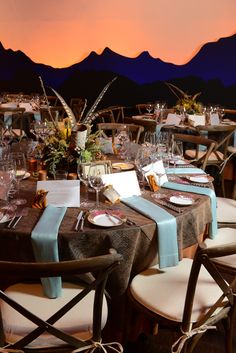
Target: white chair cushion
column 224, row 236
column 192, row 154
column 231, row 149
column 77, row 322
column 163, row 292
column 226, row 210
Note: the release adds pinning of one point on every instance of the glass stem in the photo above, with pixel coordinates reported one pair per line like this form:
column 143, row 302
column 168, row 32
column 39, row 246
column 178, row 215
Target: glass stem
column 97, row 198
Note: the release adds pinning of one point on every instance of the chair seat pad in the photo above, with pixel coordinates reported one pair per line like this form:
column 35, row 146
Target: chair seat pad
column 77, row 322
column 163, row 291
column 224, row 236
column 192, row 154
column 226, row 210
column 231, row 149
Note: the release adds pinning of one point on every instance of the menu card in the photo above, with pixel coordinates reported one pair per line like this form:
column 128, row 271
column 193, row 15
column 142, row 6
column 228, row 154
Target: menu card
column 61, row 192
column 125, row 183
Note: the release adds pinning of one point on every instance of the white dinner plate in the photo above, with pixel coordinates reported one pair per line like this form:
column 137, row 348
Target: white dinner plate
column 201, row 179
column 123, row 166
column 181, row 200
column 179, row 162
column 104, row 218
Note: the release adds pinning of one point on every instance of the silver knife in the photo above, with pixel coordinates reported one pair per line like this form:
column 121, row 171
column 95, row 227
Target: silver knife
column 78, row 220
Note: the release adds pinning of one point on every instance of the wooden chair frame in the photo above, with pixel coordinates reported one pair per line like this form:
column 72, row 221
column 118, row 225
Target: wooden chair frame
column 114, row 127
column 17, row 120
column 226, row 304
column 101, row 265
column 197, row 141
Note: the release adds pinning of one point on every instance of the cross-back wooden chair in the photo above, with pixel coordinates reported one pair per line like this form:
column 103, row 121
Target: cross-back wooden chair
column 78, row 106
column 198, row 157
column 31, row 321
column 110, row 129
column 222, row 135
column 190, row 298
column 142, row 107
column 12, row 121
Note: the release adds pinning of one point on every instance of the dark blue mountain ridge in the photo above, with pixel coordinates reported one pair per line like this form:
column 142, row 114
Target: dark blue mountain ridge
column 215, row 60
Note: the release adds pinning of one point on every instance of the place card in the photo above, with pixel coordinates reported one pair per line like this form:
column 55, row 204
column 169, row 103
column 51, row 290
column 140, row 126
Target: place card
column 125, row 183
column 214, row 119
column 61, row 192
column 196, row 120
column 173, row 119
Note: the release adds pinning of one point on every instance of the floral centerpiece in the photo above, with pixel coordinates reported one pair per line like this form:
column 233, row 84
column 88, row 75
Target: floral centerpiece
column 69, row 142
column 186, row 103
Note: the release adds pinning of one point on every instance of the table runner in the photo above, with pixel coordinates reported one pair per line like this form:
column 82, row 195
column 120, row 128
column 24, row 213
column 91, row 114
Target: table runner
column 45, row 245
column 167, row 229
column 203, row 191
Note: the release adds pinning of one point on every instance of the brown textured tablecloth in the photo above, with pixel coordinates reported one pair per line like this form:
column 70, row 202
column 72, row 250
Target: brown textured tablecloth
column 137, row 244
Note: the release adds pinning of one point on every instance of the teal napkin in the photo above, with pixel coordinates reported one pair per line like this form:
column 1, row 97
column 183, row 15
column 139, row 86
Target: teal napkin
column 184, row 171
column 167, row 229
column 199, row 190
column 45, row 245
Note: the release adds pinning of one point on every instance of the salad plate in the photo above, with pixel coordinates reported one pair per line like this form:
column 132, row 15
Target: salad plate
column 181, row 200
column 123, row 166
column 106, row 218
column 201, row 179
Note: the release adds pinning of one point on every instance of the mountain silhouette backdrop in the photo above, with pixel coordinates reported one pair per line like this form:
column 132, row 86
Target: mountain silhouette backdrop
column 211, row 71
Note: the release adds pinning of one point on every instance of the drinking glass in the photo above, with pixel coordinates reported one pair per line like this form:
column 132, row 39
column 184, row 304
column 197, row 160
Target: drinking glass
column 176, row 152
column 95, row 180
column 20, row 170
column 149, row 107
column 82, row 173
column 143, row 164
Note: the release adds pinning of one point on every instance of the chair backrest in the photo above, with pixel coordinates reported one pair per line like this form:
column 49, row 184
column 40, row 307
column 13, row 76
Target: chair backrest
column 226, row 303
column 221, row 134
column 197, row 141
column 78, row 106
column 57, row 112
column 100, row 266
column 13, row 117
column 142, row 107
column 113, row 128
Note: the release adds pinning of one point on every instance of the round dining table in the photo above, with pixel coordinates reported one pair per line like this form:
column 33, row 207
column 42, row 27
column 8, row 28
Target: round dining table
column 137, row 242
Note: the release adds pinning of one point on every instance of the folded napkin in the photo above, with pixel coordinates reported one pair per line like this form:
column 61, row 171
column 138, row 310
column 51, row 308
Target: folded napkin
column 203, row 191
column 45, row 245
column 184, row 171
column 167, row 229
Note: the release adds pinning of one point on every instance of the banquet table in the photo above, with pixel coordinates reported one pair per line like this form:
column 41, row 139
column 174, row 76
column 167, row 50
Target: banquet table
column 137, row 243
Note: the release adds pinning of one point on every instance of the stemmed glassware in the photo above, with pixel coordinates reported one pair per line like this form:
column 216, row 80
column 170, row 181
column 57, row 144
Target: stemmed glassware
column 95, row 180
column 82, row 173
column 19, row 161
column 143, row 164
column 176, row 152
column 149, row 108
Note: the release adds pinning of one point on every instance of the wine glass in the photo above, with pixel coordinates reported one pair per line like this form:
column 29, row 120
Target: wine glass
column 143, row 164
column 95, row 180
column 176, row 152
column 20, row 171
column 149, row 107
column 82, row 173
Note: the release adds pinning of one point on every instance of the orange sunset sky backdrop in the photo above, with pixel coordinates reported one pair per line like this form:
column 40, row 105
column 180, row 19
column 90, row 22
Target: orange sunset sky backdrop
column 63, row 32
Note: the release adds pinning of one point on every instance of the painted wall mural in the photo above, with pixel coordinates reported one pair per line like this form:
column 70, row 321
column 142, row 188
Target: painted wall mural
column 78, row 46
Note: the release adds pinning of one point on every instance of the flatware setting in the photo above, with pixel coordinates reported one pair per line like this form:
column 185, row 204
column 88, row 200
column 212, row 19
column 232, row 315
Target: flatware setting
column 22, row 212
column 79, row 218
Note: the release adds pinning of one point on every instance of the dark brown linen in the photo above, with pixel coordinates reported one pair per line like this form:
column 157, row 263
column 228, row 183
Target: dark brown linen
column 137, row 244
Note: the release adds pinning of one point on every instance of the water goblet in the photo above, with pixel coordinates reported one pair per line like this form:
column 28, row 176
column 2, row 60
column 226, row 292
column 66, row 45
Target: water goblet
column 82, row 173
column 95, row 180
column 19, row 161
